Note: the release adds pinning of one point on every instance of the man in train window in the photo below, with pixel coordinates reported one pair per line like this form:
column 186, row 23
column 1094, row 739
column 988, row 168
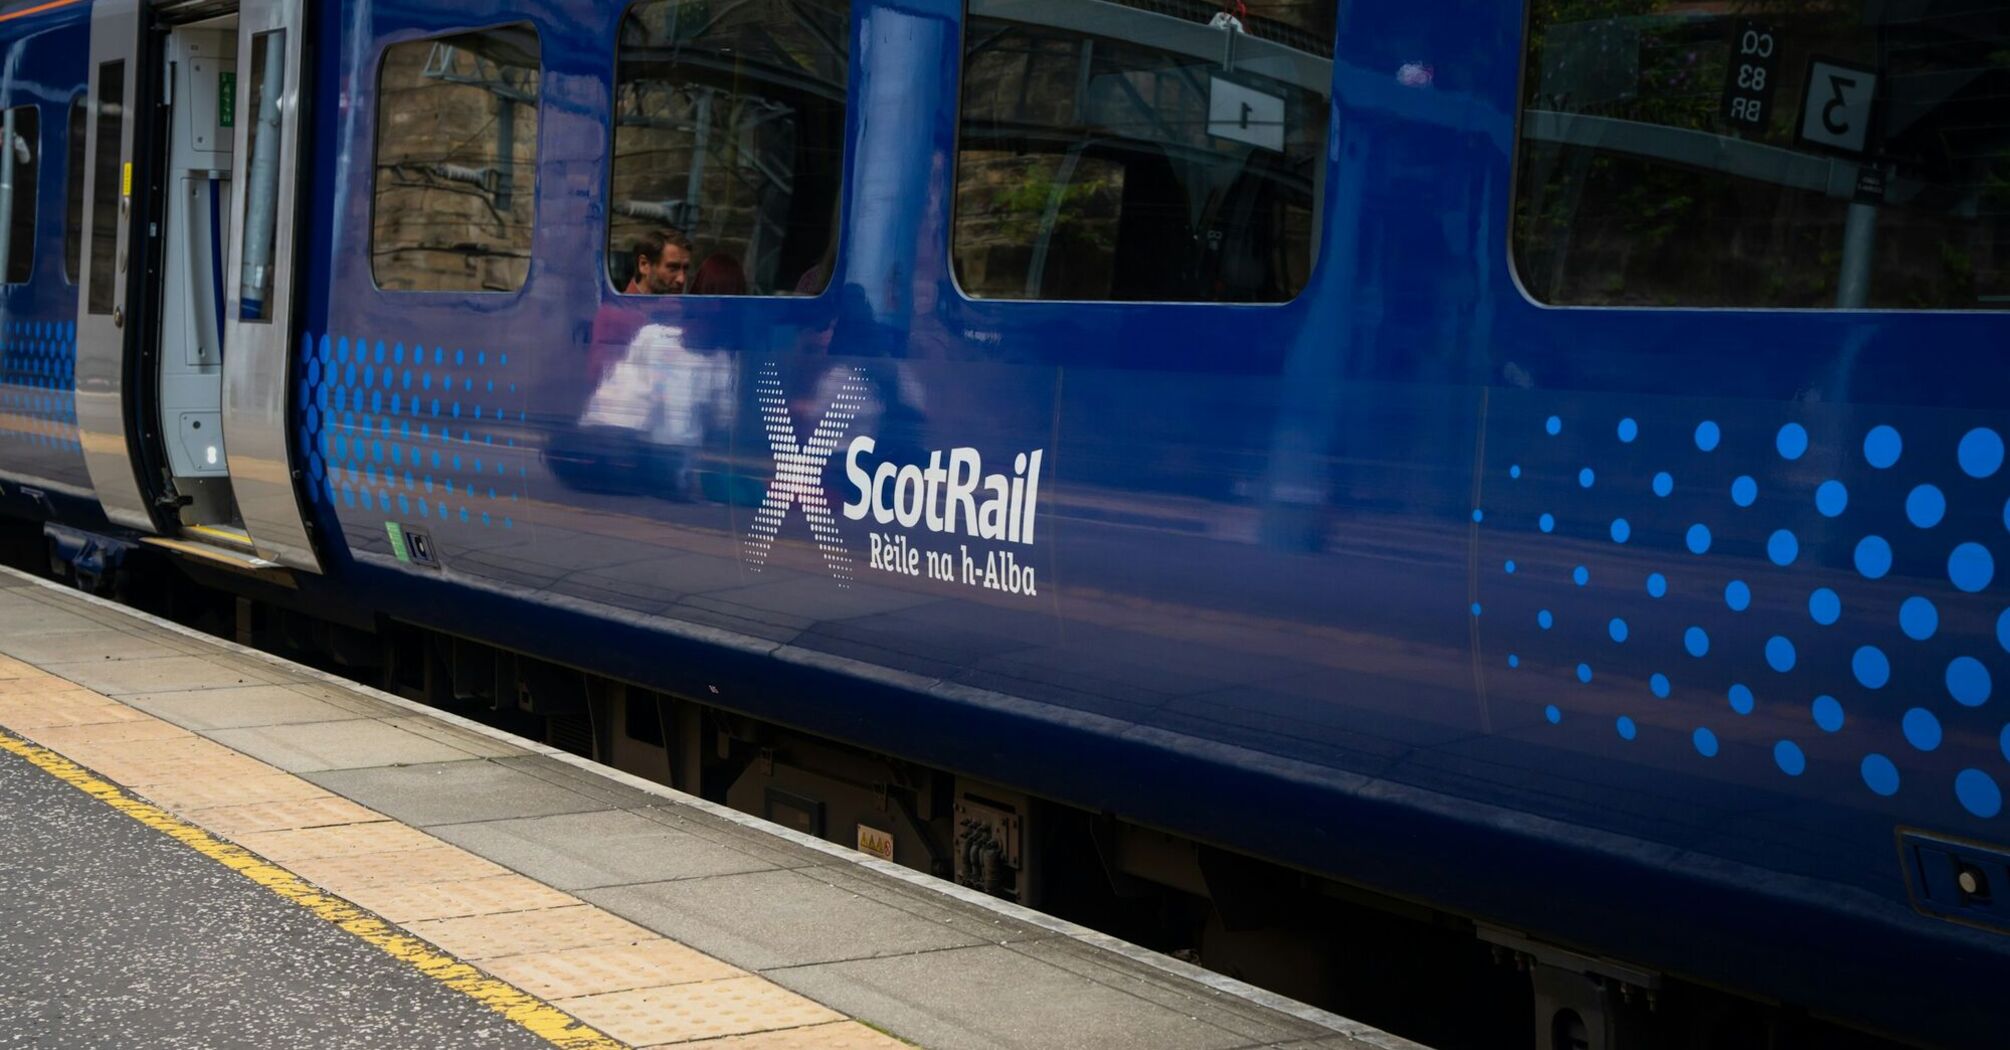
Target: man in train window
column 662, row 259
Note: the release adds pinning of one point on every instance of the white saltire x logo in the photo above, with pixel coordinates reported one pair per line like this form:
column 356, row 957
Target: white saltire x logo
column 799, row 471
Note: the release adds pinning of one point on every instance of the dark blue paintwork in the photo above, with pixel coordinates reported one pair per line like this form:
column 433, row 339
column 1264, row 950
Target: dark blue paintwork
column 1273, row 606
column 38, row 415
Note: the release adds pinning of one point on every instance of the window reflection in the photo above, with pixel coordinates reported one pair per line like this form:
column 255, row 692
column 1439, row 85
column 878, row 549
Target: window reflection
column 1766, row 153
column 456, row 185
column 728, row 142
column 1141, row 150
column 20, row 175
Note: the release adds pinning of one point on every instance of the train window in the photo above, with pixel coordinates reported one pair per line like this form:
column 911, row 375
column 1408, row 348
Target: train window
column 111, row 134
column 261, row 209
column 73, row 194
column 20, row 173
column 728, row 146
column 457, row 121
column 1769, row 154
column 1142, row 149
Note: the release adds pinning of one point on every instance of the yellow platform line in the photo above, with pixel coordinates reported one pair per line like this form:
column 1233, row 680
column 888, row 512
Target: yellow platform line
column 528, row 1012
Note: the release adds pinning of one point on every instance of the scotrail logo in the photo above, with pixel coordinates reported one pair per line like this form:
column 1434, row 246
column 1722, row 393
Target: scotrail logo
column 949, row 496
column 799, row 469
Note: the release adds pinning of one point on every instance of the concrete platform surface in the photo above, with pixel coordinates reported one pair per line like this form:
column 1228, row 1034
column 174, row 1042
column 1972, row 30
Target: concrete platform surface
column 215, row 847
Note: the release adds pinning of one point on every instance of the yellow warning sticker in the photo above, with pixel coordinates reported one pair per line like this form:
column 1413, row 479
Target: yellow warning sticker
column 126, row 180
column 876, row 842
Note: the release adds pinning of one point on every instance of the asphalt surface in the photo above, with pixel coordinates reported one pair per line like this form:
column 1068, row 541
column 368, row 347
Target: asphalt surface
column 114, row 935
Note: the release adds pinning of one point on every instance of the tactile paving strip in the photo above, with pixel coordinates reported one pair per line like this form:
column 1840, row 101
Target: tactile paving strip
column 625, row 980
column 842, row 1035
column 411, row 902
column 281, row 815
column 479, row 937
column 609, row 968
column 698, row 1011
column 188, row 794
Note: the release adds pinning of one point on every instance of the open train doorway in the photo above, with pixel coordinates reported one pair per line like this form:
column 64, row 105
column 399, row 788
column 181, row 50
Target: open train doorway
column 185, row 326
column 200, row 67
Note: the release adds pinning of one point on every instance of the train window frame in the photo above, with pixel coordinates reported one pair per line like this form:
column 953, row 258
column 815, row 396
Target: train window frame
column 1324, row 169
column 257, row 237
column 833, row 251
column 102, row 237
column 77, row 125
column 25, row 225
column 535, row 165
column 1527, row 71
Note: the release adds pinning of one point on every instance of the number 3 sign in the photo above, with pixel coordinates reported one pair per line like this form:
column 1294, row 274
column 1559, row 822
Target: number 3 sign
column 1836, row 107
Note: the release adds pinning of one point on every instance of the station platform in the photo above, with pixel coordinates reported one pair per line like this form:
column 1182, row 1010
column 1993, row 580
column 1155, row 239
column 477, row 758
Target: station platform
column 210, row 846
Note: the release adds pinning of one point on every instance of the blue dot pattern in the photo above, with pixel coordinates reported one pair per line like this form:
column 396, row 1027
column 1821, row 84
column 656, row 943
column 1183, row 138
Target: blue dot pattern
column 1792, row 441
column 1783, row 548
column 1968, row 681
column 1971, row 567
column 1879, row 774
column 1918, row 618
column 1770, row 521
column 38, row 380
column 1978, row 792
column 1981, row 452
column 1780, row 654
column 1922, row 729
column 1871, row 667
column 1873, row 557
column 1882, row 447
column 1925, row 506
column 1824, row 606
column 427, row 436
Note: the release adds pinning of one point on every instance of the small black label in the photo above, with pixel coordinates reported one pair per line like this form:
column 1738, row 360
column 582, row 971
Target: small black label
column 1869, row 186
column 1749, row 75
column 419, row 546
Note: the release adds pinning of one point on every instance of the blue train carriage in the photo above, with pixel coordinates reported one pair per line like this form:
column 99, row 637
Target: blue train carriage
column 42, row 110
column 1538, row 468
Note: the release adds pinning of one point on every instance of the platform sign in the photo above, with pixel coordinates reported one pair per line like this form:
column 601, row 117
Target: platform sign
column 1751, row 74
column 1836, row 106
column 1244, row 114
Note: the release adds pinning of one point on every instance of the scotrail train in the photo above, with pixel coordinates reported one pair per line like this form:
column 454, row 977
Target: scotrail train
column 1348, row 490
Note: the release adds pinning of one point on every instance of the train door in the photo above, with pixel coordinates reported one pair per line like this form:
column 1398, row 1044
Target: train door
column 102, row 298
column 187, row 323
